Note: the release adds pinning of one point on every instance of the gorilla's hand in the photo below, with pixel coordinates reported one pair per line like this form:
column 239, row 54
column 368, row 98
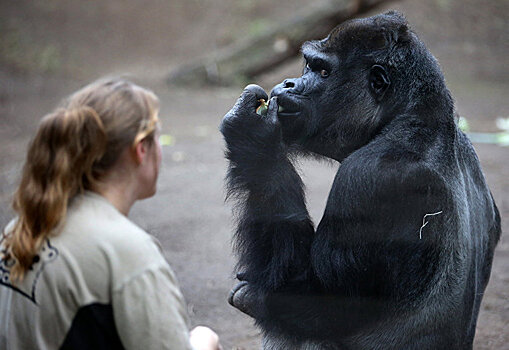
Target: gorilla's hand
column 249, row 135
column 246, row 300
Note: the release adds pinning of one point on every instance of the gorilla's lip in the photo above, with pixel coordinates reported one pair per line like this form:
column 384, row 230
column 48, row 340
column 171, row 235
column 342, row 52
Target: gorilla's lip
column 288, row 106
column 287, row 114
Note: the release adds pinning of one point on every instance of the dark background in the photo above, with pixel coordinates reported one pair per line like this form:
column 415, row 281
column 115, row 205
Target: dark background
column 50, row 48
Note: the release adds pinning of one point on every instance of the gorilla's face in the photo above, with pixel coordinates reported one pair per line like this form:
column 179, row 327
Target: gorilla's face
column 337, row 105
column 304, row 106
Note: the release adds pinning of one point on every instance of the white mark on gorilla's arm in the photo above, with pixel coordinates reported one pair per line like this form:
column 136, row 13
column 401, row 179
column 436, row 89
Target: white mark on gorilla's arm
column 424, row 222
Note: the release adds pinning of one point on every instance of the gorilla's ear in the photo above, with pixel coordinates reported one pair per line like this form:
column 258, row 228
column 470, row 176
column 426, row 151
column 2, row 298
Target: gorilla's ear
column 395, row 28
column 378, row 81
column 399, row 26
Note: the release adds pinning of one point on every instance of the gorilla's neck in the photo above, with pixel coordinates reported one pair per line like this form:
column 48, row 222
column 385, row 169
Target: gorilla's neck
column 338, row 146
column 329, row 148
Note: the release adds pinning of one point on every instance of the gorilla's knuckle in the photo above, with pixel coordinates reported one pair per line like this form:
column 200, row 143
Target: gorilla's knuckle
column 227, row 119
column 255, row 91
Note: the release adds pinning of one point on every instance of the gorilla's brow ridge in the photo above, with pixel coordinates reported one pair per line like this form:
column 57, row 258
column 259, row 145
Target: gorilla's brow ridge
column 315, row 56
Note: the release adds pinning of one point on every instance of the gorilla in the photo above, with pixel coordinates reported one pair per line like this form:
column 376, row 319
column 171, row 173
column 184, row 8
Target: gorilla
column 403, row 252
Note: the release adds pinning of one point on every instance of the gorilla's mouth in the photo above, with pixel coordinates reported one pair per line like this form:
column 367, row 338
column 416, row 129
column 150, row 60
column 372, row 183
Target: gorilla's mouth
column 288, row 107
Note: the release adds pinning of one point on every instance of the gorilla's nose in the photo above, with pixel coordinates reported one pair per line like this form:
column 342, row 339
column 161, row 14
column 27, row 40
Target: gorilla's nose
column 288, row 83
column 292, row 86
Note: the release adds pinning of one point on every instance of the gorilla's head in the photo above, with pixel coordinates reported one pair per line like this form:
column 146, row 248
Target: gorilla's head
column 365, row 74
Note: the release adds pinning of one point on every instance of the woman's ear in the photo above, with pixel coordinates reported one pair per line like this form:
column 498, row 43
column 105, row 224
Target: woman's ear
column 140, row 152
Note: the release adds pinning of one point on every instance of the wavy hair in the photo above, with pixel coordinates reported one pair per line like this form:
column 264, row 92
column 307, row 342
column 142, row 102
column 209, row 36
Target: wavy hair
column 72, row 148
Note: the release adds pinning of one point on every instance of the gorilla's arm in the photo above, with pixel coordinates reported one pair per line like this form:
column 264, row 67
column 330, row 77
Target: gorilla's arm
column 274, row 231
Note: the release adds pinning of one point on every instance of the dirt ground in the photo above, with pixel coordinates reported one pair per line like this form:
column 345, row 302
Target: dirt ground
column 50, row 48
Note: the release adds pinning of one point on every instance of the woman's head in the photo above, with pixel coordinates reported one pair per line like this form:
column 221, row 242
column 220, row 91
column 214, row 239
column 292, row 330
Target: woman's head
column 74, row 148
column 128, row 114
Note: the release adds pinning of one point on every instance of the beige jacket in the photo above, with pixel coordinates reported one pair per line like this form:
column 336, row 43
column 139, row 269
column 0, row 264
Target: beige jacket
column 101, row 283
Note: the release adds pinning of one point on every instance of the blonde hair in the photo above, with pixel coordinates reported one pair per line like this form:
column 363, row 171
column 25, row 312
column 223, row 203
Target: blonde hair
column 73, row 147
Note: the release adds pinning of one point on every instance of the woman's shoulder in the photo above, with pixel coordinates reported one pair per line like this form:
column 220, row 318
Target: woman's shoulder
column 93, row 223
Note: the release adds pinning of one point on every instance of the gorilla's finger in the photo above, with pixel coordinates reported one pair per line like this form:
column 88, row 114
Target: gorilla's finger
column 257, row 91
column 231, row 295
column 272, row 110
column 250, row 97
column 241, row 276
column 243, row 299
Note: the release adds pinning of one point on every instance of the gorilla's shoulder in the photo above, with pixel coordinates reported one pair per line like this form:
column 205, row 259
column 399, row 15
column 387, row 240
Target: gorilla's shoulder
column 388, row 170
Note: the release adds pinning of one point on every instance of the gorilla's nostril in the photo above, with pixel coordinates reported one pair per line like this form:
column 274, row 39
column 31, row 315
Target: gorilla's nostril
column 289, row 84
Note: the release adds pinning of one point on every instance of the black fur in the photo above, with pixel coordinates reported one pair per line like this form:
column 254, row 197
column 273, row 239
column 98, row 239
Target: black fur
column 372, row 276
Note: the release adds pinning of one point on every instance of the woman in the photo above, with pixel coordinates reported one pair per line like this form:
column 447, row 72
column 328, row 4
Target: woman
column 75, row 273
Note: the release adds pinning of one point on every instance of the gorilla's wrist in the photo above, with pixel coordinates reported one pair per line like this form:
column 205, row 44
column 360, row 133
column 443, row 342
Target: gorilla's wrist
column 255, row 154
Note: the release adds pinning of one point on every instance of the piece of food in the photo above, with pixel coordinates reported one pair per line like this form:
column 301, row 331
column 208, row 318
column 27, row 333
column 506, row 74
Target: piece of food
column 263, row 107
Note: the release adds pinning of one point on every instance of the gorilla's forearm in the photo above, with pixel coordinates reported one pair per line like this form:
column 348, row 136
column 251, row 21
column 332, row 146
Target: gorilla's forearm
column 274, row 231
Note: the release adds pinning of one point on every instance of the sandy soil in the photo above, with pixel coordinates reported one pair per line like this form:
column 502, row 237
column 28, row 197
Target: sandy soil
column 50, row 48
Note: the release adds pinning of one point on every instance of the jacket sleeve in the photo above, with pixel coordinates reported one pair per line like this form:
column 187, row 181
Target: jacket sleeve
column 149, row 311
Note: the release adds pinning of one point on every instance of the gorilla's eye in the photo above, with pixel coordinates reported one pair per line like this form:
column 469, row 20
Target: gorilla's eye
column 324, row 73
